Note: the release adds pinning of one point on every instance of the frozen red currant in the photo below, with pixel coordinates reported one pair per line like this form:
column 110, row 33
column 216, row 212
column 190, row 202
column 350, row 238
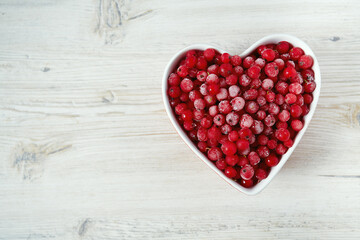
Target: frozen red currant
column 247, row 172
column 230, row 172
column 272, row 160
column 268, row 54
column 305, row 61
column 282, row 134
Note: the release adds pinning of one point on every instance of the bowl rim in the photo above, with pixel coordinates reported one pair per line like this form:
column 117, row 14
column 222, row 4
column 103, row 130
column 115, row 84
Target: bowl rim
column 273, row 38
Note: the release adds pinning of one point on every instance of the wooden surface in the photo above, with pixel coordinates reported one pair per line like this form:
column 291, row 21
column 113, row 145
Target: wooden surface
column 86, row 148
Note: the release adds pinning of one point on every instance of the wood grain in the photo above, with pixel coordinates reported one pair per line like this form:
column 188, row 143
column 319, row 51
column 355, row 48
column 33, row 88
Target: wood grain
column 86, row 148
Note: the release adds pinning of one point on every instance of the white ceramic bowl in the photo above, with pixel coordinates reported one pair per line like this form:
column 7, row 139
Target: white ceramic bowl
column 274, row 38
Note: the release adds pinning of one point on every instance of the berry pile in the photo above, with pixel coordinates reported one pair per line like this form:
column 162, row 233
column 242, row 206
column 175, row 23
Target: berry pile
column 243, row 114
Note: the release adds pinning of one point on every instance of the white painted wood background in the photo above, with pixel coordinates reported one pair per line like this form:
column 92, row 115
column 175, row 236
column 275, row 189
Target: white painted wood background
column 86, row 148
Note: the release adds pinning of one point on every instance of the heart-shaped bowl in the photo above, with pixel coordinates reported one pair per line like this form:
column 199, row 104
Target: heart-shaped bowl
column 274, row 38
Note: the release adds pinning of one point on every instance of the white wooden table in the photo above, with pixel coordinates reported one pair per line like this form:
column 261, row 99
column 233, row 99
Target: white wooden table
column 86, row 148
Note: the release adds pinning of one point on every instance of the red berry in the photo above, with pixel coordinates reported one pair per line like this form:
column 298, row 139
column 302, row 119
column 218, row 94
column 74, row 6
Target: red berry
column 254, row 71
column 268, row 55
column 261, row 48
column 262, row 139
column 198, row 114
column 309, row 87
column 245, row 133
column 187, row 115
column 229, row 148
column 272, row 160
column 281, row 149
column 247, row 183
column 180, row 108
column 199, row 104
column 250, row 94
column 295, row 111
column 214, row 154
column 209, row 54
column 248, row 61
column 267, row 84
column 243, row 161
column 263, row 151
column 189, row 125
column 211, row 142
column 225, row 69
column 260, row 115
column 283, row 47
column 225, row 129
column 257, row 127
column 190, row 61
column 274, row 109
column 232, row 160
column 213, row 110
column 272, row 144
column 289, row 72
column 232, row 118
column 201, row 63
column 174, row 79
column 261, row 173
column 238, row 70
column 219, row 120
column 202, row 134
column 260, row 62
column 206, row 122
column 231, row 79
column 297, row 125
column 272, row 69
column 246, row 121
column 174, row 102
column 221, row 164
column 201, row 76
column 270, row 96
column 282, row 88
column 280, row 63
column 210, row 100
column 213, row 89
column 308, row 75
column 212, row 79
column 282, row 134
column 296, row 53
column 183, row 71
column 290, row 98
column 234, row 91
column 225, row 58
column 261, row 100
column 305, row 61
column 281, row 125
column 251, row 107
column 253, row 158
column 242, row 144
column 235, row 60
column 279, row 99
column 225, row 107
column 308, row 98
column 174, row 92
column 244, row 80
column 214, row 133
column 295, row 88
column 230, row 172
column 202, row 146
column 284, row 116
column 247, row 172
column 233, row 136
column 269, row 120
column 288, row 143
column 213, row 69
column 186, row 85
